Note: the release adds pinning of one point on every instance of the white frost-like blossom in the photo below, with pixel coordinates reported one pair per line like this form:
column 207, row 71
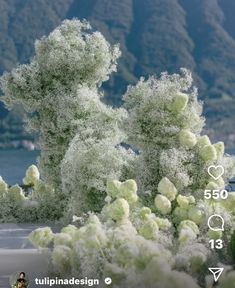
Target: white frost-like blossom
column 50, row 88
column 79, row 136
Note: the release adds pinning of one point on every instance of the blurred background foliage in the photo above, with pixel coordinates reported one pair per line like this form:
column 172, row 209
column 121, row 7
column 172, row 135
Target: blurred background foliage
column 154, row 35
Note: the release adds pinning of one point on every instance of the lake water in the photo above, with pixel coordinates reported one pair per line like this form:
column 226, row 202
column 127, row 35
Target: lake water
column 13, row 164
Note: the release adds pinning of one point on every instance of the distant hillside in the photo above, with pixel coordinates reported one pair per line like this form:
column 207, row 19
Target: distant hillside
column 154, row 35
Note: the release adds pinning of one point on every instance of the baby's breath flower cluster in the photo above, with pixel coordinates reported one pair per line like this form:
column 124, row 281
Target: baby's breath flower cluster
column 79, row 136
column 58, row 89
column 165, row 125
column 94, row 154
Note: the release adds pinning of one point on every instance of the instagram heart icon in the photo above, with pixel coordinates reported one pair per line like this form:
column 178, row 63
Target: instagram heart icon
column 215, row 171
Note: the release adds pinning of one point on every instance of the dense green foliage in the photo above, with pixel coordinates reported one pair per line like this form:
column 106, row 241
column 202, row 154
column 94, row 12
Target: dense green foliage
column 155, row 36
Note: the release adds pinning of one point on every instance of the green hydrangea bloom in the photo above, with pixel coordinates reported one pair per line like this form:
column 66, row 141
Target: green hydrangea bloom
column 187, row 138
column 196, row 215
column 149, row 229
column 16, row 194
column 184, row 201
column 188, row 224
column 118, row 210
column 162, row 204
column 32, row 175
column 61, row 256
column 208, row 153
column 167, row 188
column 219, row 146
column 3, row 187
column 144, row 213
column 41, row 237
column 179, row 102
column 203, row 141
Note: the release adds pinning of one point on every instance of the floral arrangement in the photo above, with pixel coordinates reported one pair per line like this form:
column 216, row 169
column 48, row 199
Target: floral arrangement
column 155, row 235
column 136, row 247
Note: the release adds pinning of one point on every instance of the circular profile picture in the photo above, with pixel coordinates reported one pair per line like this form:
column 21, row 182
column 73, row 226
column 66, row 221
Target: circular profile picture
column 19, row 280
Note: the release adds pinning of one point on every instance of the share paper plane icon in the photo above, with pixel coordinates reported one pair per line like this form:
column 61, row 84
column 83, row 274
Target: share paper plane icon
column 216, row 272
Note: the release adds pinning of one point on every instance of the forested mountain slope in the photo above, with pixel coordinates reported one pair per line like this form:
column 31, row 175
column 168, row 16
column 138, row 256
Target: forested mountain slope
column 154, row 35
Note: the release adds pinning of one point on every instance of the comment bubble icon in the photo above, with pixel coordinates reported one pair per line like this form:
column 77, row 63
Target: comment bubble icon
column 215, row 222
